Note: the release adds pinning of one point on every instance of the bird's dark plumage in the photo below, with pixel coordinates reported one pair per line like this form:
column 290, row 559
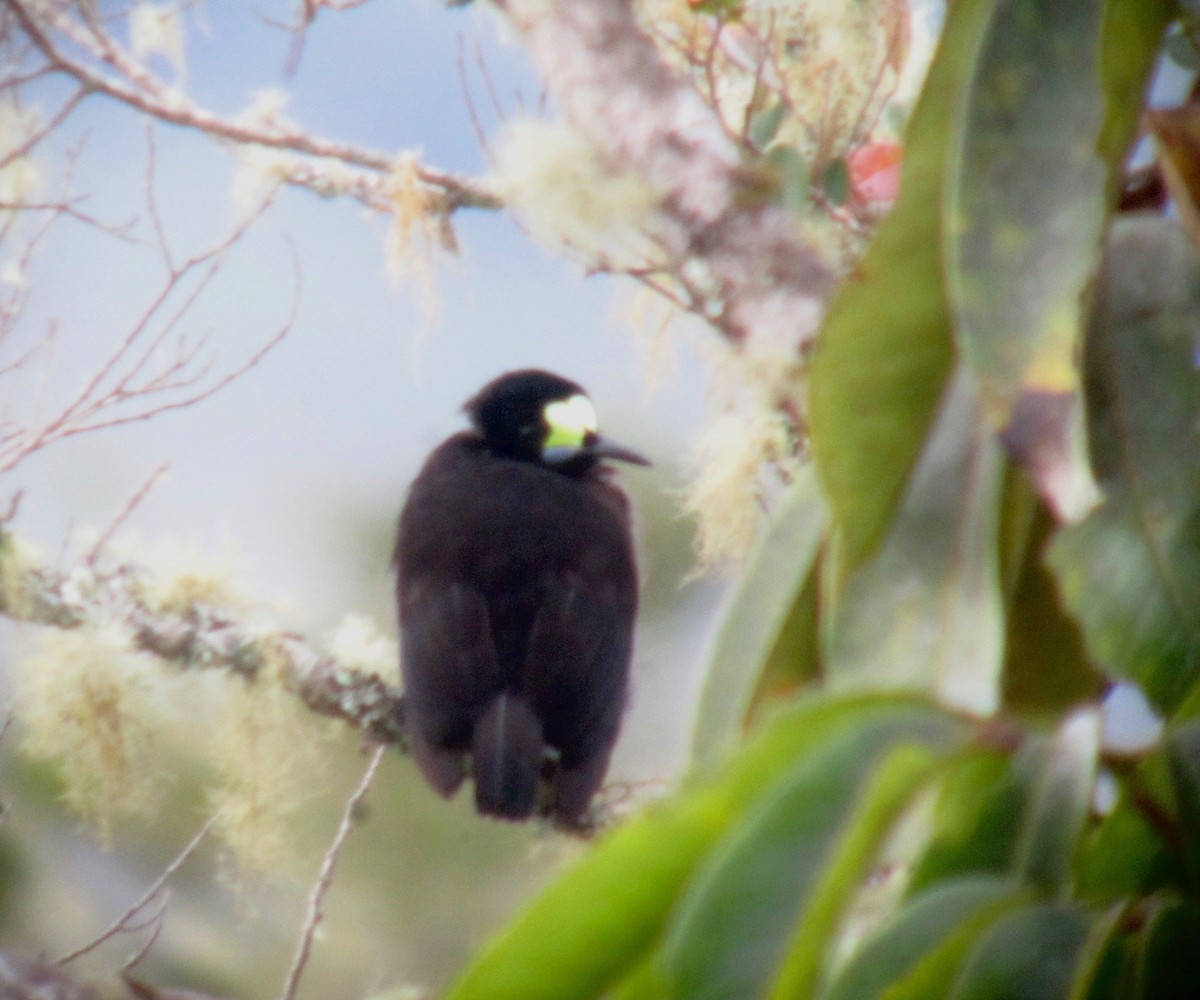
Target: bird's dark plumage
column 517, row 592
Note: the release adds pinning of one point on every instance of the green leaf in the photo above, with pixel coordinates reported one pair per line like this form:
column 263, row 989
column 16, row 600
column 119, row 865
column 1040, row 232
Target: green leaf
column 1123, row 857
column 916, row 931
column 890, row 790
column 1046, row 668
column 1061, row 803
column 1132, row 40
column 1168, row 962
column 757, row 616
column 884, row 355
column 794, row 659
column 1031, row 954
column 795, row 178
column 733, row 927
column 764, row 125
column 1130, row 573
column 835, row 181
column 596, row 923
column 1183, row 759
column 926, row 610
column 1025, row 210
column 1098, row 970
column 977, row 820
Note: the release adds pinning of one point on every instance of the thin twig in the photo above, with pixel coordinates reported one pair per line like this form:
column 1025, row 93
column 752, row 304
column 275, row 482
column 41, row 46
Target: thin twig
column 124, row 922
column 316, row 898
column 123, row 515
column 155, row 923
column 132, row 84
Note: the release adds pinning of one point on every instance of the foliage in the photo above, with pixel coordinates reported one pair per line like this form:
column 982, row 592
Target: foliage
column 900, row 772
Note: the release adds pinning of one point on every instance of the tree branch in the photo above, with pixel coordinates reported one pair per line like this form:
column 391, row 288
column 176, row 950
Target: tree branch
column 196, row 635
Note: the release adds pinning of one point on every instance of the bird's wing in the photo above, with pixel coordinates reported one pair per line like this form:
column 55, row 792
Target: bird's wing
column 448, row 659
column 576, row 666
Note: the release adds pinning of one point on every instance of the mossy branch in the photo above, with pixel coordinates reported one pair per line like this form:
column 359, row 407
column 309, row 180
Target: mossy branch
column 191, row 633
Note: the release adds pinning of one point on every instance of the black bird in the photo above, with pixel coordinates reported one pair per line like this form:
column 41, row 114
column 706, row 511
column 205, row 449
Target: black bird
column 517, row 591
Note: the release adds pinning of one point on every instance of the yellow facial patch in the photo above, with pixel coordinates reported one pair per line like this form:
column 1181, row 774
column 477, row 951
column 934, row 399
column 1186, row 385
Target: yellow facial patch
column 568, row 421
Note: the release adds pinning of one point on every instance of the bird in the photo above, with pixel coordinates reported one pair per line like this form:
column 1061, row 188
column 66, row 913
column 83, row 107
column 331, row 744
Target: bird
column 517, row 591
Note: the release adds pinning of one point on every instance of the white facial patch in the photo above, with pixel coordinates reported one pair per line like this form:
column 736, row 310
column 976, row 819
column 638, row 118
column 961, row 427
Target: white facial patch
column 568, row 421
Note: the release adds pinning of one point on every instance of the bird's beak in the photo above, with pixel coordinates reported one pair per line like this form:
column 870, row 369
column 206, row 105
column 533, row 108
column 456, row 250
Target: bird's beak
column 602, row 447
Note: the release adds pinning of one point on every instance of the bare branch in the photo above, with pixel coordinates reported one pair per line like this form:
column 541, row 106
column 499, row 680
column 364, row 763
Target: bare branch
column 316, row 898
column 128, row 921
column 52, row 123
column 121, row 390
column 123, row 515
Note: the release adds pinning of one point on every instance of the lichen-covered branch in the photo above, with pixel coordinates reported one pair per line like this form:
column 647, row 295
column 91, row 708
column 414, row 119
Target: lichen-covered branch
column 744, row 257
column 195, row 634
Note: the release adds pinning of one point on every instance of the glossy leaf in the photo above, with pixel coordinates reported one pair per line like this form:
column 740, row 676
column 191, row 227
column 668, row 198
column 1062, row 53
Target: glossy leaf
column 890, row 790
column 1030, row 954
column 599, row 921
column 1129, row 49
column 1123, row 857
column 757, row 616
column 977, row 819
column 1034, row 111
column 926, row 610
column 1183, row 758
column 733, row 927
column 1046, row 667
column 1130, row 573
column 795, row 658
column 915, row 933
column 1060, row 804
column 1168, row 962
column 934, row 976
column 885, row 352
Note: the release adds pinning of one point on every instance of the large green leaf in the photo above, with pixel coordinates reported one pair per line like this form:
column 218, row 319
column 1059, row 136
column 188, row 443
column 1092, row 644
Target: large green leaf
column 819, row 827
column 1060, row 804
column 934, row 975
column 1183, row 758
column 599, row 921
column 1130, row 573
column 896, row 951
column 1131, row 43
column 978, row 815
column 890, row 790
column 926, row 610
column 1123, row 857
column 758, row 615
column 1025, row 208
column 1046, row 667
column 885, row 352
column 1168, row 959
column 1032, row 954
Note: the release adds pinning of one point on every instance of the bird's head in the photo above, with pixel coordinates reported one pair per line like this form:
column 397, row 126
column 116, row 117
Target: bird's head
column 536, row 416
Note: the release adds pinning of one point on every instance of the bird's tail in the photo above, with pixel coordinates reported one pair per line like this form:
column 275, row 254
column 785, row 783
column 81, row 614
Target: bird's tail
column 506, row 754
